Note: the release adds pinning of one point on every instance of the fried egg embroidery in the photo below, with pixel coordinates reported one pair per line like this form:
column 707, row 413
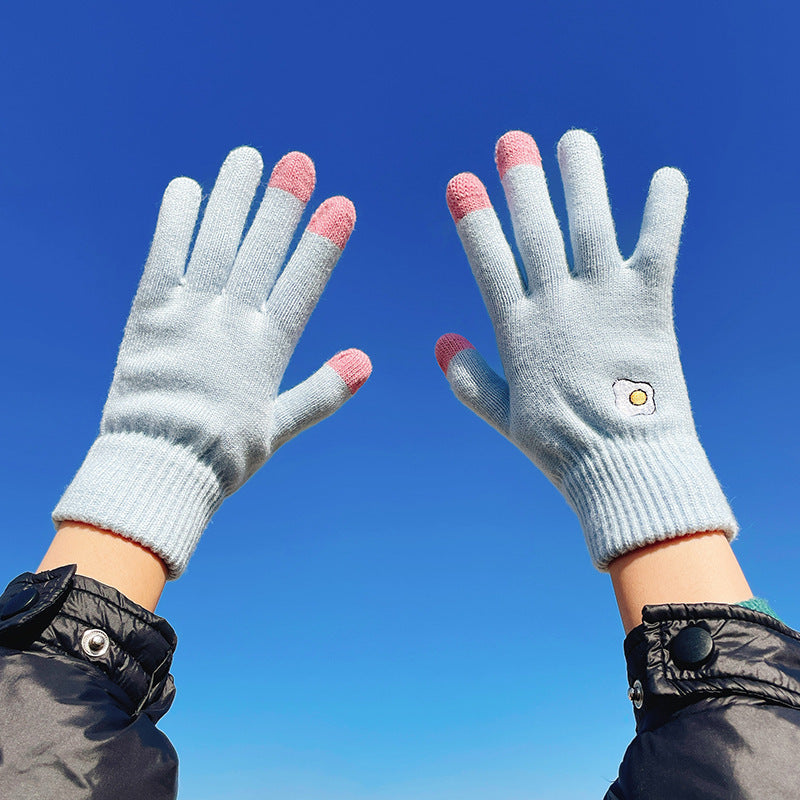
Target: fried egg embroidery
column 634, row 398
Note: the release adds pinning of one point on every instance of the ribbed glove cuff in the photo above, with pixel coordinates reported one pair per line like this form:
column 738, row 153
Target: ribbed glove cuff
column 632, row 492
column 146, row 489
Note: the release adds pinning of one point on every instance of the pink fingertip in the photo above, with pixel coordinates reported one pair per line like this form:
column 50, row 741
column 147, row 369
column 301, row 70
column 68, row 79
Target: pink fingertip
column 515, row 148
column 465, row 194
column 449, row 345
column 294, row 173
column 335, row 220
column 353, row 366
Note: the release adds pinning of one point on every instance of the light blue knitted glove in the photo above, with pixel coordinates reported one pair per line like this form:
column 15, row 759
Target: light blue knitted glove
column 594, row 392
column 193, row 409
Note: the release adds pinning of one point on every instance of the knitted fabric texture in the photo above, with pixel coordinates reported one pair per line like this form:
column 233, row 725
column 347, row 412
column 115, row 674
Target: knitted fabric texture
column 593, row 391
column 194, row 410
column 760, row 604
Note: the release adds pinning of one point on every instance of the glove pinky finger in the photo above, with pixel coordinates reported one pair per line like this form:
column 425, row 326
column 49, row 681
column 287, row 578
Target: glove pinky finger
column 177, row 219
column 473, row 381
column 660, row 236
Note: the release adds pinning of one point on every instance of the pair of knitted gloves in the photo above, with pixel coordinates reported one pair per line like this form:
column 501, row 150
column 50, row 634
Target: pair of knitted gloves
column 593, row 391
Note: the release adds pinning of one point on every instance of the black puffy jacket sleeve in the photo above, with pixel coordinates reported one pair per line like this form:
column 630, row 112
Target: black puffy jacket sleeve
column 716, row 694
column 84, row 677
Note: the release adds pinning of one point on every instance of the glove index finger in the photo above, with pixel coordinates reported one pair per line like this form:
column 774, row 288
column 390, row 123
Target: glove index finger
column 302, row 281
column 335, row 220
column 486, row 247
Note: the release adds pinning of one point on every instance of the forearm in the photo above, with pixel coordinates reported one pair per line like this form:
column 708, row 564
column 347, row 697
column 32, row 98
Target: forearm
column 109, row 558
column 700, row 568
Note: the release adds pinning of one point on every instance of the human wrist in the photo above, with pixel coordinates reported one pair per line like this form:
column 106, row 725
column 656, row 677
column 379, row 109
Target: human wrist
column 147, row 489
column 633, row 491
column 105, row 556
column 697, row 568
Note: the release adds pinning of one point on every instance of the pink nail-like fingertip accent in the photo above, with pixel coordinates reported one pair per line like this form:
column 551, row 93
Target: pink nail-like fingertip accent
column 335, row 220
column 294, row 173
column 514, row 148
column 465, row 193
column 353, row 366
column 449, row 345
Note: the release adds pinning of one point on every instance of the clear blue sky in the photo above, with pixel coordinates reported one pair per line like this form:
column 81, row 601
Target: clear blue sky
column 398, row 605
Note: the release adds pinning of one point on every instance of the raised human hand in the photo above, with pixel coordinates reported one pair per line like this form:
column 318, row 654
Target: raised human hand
column 194, row 409
column 593, row 393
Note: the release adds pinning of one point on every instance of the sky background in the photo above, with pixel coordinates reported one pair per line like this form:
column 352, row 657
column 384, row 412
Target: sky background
column 399, row 604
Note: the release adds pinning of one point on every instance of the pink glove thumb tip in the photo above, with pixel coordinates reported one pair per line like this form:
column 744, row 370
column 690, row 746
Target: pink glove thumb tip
column 353, row 367
column 448, row 346
column 465, row 193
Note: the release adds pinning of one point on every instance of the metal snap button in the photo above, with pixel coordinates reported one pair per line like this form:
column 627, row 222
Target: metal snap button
column 95, row 643
column 636, row 693
column 691, row 647
column 20, row 602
